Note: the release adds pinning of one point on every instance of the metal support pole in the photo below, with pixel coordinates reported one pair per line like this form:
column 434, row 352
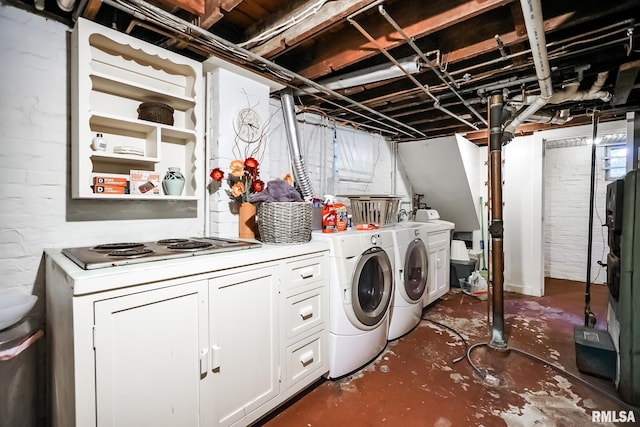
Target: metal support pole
column 589, row 317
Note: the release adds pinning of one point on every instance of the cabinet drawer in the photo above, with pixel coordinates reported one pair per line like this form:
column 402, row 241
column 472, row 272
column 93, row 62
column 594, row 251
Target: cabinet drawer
column 438, row 237
column 305, row 271
column 305, row 357
column 304, row 311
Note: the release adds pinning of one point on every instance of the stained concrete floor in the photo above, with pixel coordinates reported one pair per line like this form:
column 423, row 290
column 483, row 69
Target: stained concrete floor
column 415, row 381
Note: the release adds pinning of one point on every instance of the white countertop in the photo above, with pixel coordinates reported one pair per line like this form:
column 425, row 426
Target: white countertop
column 102, row 279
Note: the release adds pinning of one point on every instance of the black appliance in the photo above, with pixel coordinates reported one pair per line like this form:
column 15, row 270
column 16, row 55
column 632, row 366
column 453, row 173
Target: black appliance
column 623, row 265
column 615, row 193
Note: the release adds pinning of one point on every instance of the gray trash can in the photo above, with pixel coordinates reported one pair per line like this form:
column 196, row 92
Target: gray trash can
column 21, row 385
column 460, row 269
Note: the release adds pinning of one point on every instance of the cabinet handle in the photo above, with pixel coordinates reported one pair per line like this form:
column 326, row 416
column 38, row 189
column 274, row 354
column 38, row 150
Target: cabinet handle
column 204, row 353
column 306, row 358
column 215, row 358
column 306, row 312
column 306, row 272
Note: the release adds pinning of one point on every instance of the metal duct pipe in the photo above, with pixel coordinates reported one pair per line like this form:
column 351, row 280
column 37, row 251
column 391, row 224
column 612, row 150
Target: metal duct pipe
column 365, row 76
column 496, row 227
column 291, row 129
column 532, row 11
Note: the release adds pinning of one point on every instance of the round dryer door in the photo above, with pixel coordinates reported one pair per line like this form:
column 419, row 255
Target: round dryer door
column 372, row 286
column 416, row 266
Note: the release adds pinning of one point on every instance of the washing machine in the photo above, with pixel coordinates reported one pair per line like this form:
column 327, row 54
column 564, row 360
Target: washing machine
column 411, row 276
column 360, row 294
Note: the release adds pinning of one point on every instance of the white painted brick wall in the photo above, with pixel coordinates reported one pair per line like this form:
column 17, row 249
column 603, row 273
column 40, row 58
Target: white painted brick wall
column 35, row 205
column 567, row 173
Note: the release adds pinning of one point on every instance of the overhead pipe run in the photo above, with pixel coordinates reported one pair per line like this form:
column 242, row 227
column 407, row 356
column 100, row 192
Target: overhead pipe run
column 66, row 5
column 532, row 11
column 571, row 92
column 291, row 129
column 426, row 60
column 148, row 12
column 436, row 101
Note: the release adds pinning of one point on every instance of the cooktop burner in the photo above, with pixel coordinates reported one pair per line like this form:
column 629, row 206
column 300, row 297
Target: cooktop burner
column 115, row 254
column 135, row 252
column 114, row 246
column 189, row 245
column 172, row 241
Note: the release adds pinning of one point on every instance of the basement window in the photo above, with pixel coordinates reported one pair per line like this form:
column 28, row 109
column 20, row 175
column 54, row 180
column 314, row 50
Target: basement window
column 615, row 161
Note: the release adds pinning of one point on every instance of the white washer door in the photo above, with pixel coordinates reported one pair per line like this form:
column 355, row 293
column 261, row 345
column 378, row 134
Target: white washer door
column 372, row 287
column 415, row 273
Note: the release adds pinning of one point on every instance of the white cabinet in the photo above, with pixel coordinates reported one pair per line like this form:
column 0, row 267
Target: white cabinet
column 244, row 342
column 305, row 311
column 439, row 257
column 146, row 356
column 206, row 343
column 113, row 74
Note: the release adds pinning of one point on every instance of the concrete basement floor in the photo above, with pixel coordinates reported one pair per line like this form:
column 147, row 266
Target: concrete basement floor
column 415, row 382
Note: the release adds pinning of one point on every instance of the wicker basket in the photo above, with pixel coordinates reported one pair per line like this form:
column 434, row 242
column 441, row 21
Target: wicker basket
column 285, row 222
column 156, row 112
column 377, row 210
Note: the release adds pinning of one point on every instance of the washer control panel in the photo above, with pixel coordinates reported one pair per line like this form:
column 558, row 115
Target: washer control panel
column 375, row 239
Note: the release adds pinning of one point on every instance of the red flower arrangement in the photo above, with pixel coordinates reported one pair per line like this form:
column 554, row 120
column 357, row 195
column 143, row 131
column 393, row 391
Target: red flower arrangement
column 243, row 180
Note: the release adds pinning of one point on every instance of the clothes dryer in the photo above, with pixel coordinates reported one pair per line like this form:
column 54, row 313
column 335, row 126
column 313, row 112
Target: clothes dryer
column 360, row 294
column 411, row 276
column 437, row 234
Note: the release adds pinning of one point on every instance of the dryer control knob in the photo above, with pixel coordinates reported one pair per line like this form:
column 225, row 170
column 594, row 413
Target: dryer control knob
column 374, row 239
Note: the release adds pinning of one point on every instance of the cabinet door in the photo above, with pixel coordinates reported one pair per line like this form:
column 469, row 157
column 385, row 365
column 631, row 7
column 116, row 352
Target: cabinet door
column 244, row 339
column 147, row 352
column 444, row 269
column 438, row 271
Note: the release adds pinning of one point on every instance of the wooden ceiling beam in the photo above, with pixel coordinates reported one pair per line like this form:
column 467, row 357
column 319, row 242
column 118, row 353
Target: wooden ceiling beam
column 228, row 5
column 92, row 8
column 328, row 15
column 352, row 47
column 211, row 13
column 512, row 38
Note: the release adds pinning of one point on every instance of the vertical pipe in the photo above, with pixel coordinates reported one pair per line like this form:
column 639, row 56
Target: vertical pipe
column 589, row 317
column 496, row 227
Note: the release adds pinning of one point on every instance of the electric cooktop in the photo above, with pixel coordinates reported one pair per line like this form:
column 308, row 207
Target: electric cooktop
column 123, row 253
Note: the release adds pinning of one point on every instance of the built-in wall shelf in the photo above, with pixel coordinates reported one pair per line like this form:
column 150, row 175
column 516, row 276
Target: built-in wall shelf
column 114, row 73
